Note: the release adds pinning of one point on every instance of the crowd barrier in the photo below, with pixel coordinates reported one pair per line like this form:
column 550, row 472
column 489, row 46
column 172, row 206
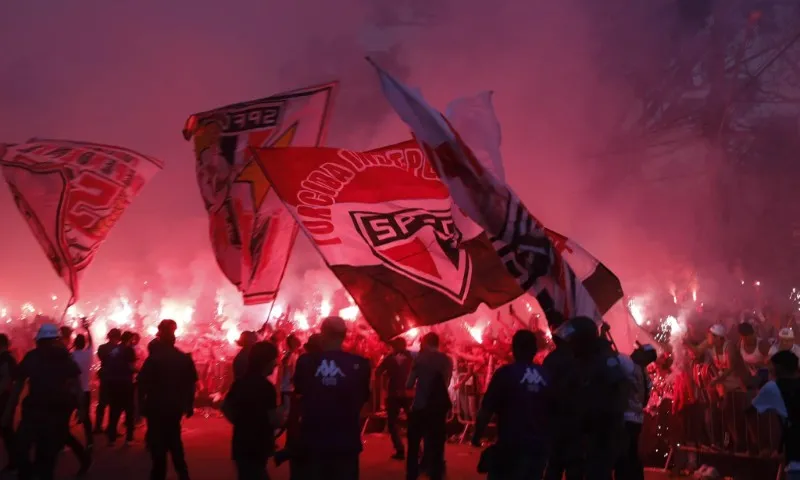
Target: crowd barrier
column 728, row 435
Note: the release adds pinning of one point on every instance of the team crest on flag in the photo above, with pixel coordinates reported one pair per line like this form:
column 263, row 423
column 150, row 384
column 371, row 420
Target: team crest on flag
column 72, row 194
column 387, row 228
column 251, row 233
column 421, row 244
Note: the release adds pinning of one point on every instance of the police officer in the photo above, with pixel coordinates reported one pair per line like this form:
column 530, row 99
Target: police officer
column 396, row 366
column 167, row 382
column 332, row 386
column 519, row 393
column 603, row 395
column 53, row 393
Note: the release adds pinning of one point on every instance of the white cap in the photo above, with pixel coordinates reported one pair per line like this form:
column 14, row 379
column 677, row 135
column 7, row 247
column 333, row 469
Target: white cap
column 786, row 334
column 47, row 331
column 717, row 330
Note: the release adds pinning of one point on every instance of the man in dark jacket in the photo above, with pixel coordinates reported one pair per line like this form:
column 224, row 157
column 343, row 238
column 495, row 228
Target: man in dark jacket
column 53, row 393
column 251, row 406
column 167, row 381
column 333, row 386
column 430, row 374
column 397, row 367
column 519, row 394
column 114, row 336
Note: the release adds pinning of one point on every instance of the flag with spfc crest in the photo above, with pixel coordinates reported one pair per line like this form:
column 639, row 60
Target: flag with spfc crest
column 387, row 227
column 532, row 254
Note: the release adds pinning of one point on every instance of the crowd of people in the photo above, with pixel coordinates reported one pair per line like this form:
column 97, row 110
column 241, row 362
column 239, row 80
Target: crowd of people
column 575, row 411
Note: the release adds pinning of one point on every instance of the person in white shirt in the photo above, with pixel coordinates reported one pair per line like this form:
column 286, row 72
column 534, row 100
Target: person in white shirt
column 785, row 342
column 82, row 356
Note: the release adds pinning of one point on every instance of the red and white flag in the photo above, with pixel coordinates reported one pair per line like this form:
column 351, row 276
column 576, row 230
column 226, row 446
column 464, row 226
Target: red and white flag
column 71, row 194
column 477, row 125
column 251, row 232
column 387, row 227
column 520, row 240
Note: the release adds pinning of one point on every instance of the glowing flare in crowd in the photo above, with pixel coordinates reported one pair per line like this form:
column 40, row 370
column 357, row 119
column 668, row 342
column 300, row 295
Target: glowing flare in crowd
column 637, row 311
column 181, row 313
column 350, row 313
column 276, row 310
column 325, row 308
column 301, row 321
column 674, row 325
column 477, row 333
column 122, row 313
column 412, row 333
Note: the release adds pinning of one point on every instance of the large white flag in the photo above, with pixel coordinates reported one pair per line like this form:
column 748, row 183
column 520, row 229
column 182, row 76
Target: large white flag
column 525, row 246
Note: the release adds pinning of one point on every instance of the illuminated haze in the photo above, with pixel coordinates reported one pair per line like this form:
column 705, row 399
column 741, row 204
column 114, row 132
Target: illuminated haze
column 129, row 73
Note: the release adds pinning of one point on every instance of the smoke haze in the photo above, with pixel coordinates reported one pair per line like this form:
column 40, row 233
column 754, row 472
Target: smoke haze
column 129, row 73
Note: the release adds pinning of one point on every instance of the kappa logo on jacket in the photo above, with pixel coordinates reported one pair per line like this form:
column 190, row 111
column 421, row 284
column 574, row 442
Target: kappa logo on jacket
column 329, row 371
column 533, row 380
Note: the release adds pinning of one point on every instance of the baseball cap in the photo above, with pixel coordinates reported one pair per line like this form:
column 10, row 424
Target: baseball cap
column 717, row 330
column 786, row 334
column 47, row 331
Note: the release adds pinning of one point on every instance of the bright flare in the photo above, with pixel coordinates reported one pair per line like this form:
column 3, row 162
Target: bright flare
column 350, row 313
column 325, row 308
column 477, row 333
column 637, row 311
column 301, row 321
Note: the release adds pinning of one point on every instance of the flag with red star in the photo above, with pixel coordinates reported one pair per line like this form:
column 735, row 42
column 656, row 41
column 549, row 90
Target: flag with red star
column 251, row 232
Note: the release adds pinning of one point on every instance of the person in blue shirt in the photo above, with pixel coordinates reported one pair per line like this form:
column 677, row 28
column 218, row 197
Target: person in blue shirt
column 519, row 394
column 332, row 386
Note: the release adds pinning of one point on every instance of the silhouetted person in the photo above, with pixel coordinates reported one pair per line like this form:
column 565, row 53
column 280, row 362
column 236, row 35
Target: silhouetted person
column 430, row 373
column 333, row 386
column 246, row 340
column 397, row 367
column 114, row 336
column 566, row 455
column 167, row 381
column 53, row 393
column 119, row 372
column 603, row 396
column 251, row 406
column 782, row 396
column 82, row 356
column 519, row 394
column 8, row 369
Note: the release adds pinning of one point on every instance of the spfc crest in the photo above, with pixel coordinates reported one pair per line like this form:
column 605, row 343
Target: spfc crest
column 420, row 244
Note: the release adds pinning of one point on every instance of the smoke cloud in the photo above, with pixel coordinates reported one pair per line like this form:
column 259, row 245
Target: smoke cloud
column 565, row 76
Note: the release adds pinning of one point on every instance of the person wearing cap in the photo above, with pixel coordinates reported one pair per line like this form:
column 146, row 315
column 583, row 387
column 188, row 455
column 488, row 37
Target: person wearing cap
column 332, row 386
column 785, row 343
column 53, row 393
column 167, row 384
column 246, row 340
column 730, row 379
column 114, row 336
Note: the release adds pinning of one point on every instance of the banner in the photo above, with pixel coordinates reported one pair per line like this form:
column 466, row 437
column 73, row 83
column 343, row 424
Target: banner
column 71, row 194
column 251, row 233
column 520, row 240
column 386, row 226
column 477, row 125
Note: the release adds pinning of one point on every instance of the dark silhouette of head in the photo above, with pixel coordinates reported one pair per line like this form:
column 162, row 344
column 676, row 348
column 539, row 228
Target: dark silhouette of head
column 523, row 346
